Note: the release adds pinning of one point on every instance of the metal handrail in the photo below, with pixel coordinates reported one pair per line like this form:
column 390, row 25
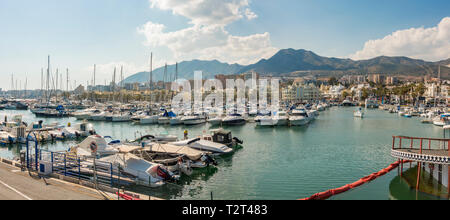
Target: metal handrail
column 425, row 143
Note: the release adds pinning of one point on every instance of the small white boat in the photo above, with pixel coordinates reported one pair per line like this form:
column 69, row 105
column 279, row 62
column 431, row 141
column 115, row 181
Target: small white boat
column 204, row 145
column 151, row 119
column 266, row 121
column 358, row 114
column 78, row 130
column 85, row 114
column 121, row 118
column 442, row 120
column 103, row 149
column 159, row 138
column 195, row 119
column 6, row 138
column 145, row 172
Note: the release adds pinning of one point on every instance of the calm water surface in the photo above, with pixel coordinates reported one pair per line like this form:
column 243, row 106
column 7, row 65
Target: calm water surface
column 281, row 163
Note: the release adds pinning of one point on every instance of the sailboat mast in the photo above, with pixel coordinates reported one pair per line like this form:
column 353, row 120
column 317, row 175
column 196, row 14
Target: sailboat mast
column 67, row 83
column 48, row 80
column 151, row 71
column 95, row 68
column 121, row 83
column 114, row 84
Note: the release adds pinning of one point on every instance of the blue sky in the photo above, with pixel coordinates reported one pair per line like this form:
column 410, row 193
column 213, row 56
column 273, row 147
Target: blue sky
column 78, row 34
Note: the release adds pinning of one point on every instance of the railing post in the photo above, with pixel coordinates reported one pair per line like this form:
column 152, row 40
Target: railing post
column 111, row 167
column 421, row 144
column 51, row 156
column 65, row 165
column 429, row 144
column 401, row 142
column 79, row 169
column 419, row 168
column 412, row 142
column 393, row 143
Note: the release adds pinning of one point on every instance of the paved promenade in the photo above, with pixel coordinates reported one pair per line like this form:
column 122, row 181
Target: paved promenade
column 17, row 185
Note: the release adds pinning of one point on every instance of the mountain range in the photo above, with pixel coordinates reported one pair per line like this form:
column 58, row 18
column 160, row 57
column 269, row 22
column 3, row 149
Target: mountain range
column 302, row 62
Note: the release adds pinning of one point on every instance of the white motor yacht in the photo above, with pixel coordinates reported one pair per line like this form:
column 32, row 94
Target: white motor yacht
column 204, row 145
column 148, row 173
column 299, row 117
column 98, row 116
column 150, row 119
column 216, row 120
column 234, row 119
column 195, row 119
column 175, row 121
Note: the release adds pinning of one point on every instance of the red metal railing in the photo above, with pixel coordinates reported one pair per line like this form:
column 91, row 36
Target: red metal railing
column 424, row 143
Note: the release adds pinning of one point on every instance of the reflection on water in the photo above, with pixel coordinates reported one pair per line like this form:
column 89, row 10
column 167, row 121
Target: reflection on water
column 404, row 188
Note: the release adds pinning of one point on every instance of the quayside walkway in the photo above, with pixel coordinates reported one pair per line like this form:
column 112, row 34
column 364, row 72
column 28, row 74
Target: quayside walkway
column 19, row 185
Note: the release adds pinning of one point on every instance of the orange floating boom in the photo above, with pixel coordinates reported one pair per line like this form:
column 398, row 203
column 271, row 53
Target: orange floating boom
column 332, row 192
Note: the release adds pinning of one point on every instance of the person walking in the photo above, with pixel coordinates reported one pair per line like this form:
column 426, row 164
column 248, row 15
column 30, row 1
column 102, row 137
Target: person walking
column 185, row 134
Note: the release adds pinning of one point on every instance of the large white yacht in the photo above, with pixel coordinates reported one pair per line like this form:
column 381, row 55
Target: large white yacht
column 299, row 117
column 234, row 119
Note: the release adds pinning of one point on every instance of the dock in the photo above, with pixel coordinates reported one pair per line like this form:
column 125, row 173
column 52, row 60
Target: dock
column 18, row 184
column 21, row 185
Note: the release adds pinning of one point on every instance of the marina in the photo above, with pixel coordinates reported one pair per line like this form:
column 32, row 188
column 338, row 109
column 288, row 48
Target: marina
column 278, row 162
column 222, row 107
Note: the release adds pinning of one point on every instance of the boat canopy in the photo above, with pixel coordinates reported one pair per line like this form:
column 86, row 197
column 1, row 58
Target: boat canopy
column 169, row 114
column 84, row 148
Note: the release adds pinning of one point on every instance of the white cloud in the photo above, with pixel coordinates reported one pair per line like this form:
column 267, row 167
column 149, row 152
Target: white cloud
column 207, row 12
column 250, row 14
column 207, row 38
column 209, row 42
column 431, row 44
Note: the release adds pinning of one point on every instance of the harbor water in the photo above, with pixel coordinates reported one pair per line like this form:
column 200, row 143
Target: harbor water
column 282, row 162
